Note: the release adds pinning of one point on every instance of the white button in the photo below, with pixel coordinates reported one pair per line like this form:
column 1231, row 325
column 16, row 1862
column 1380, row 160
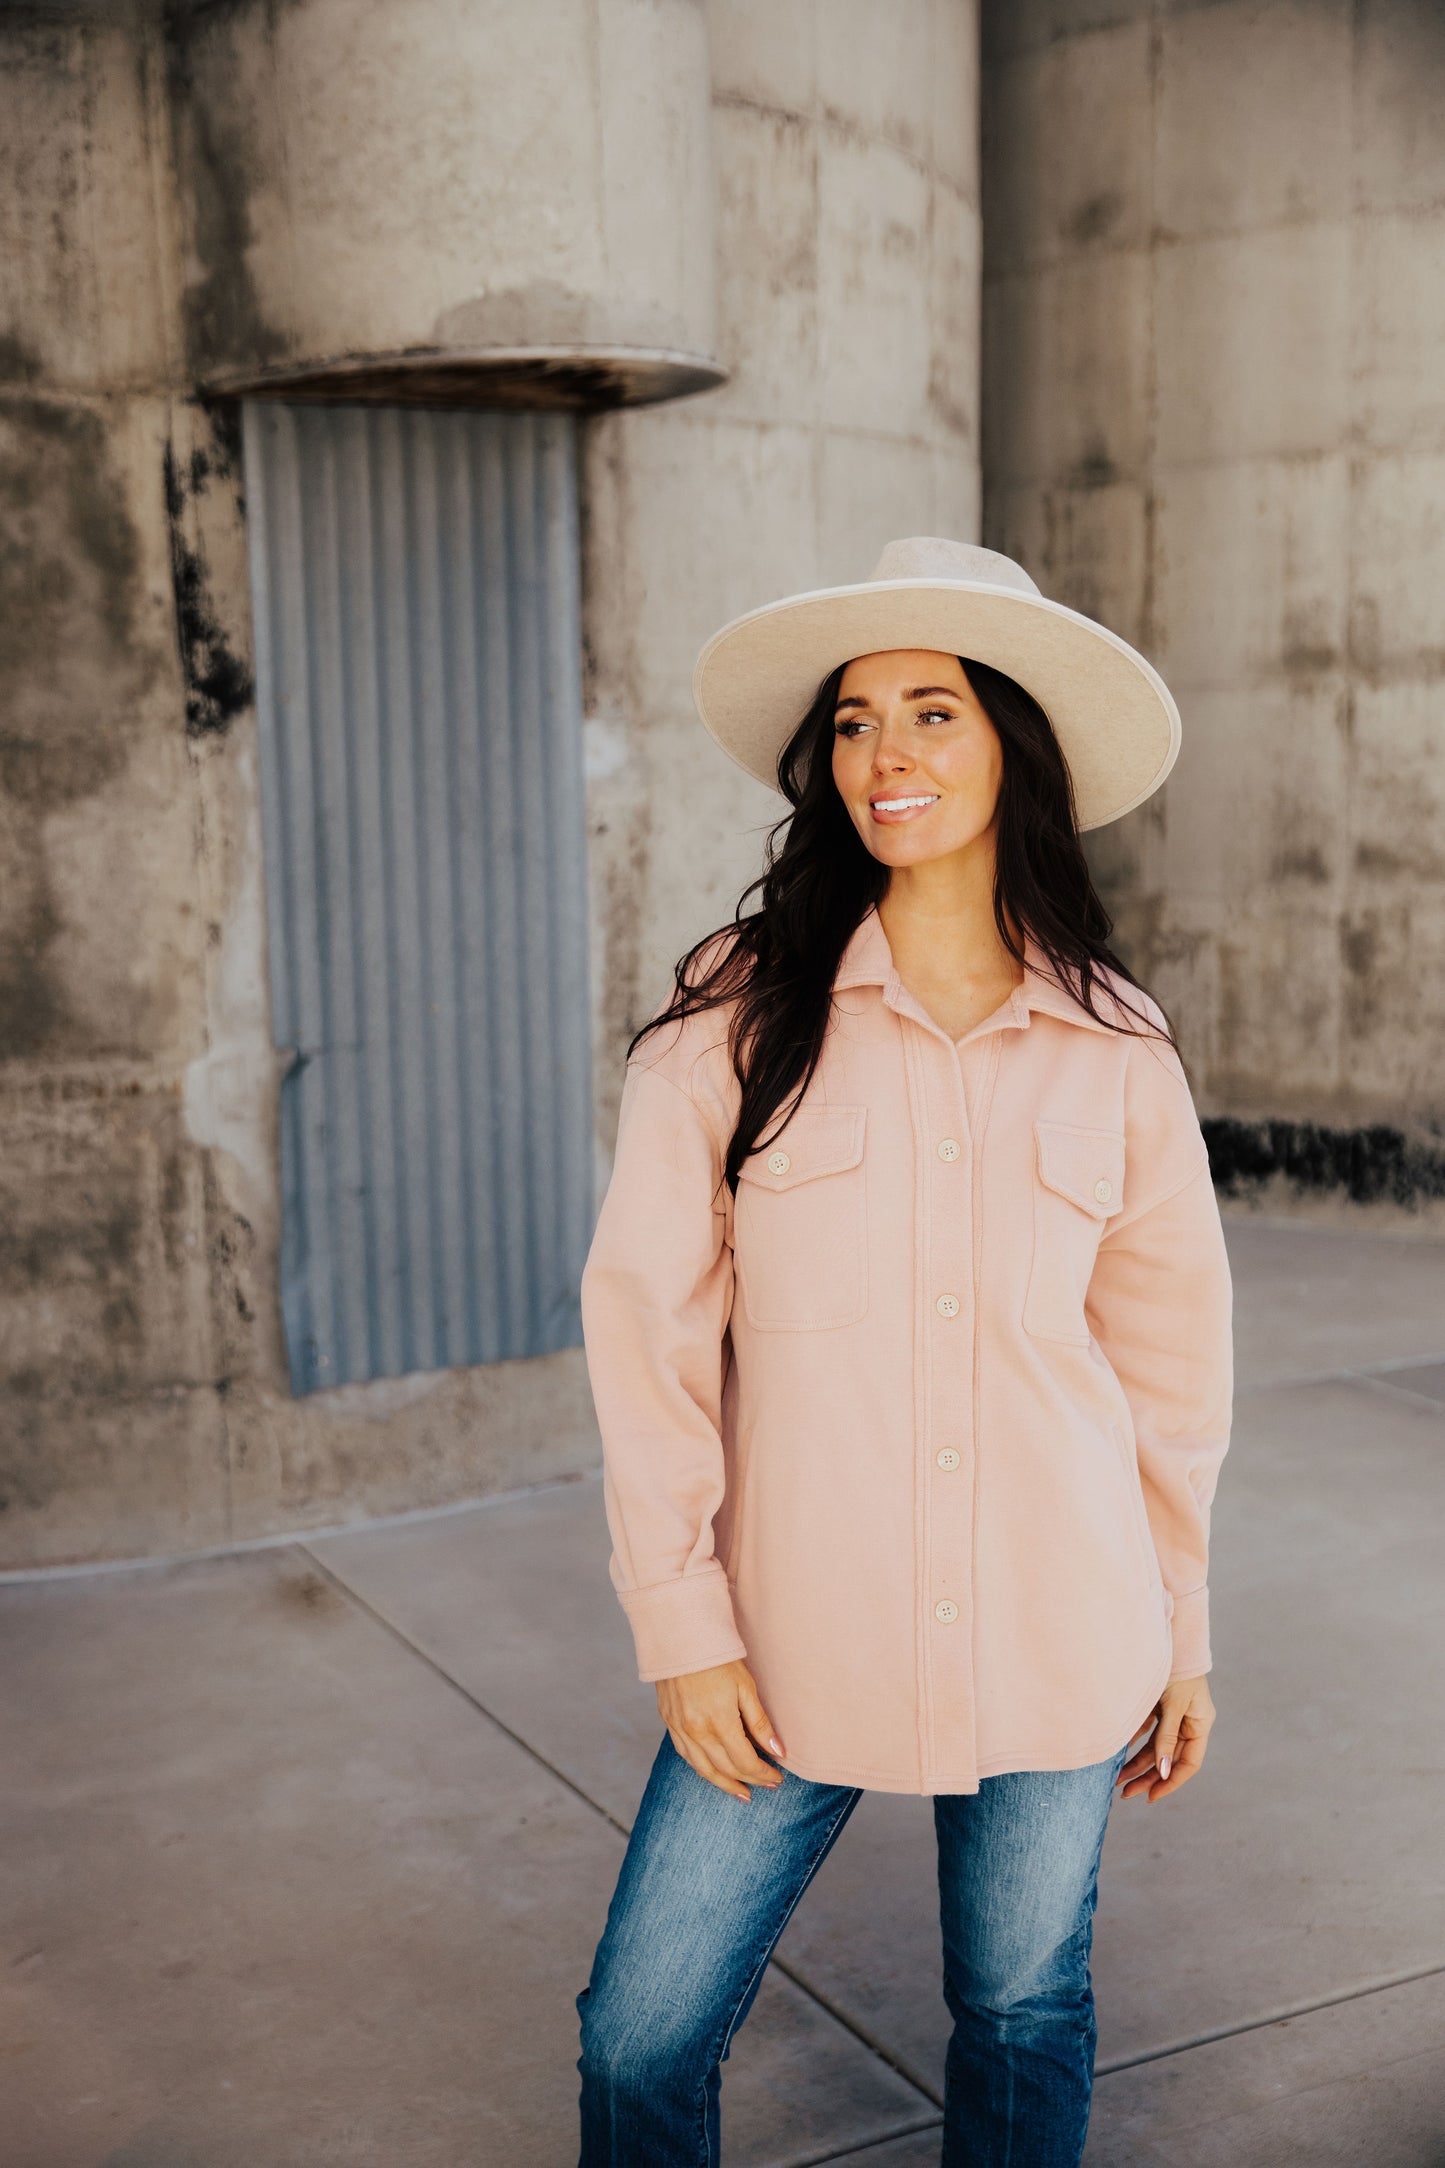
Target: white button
column 947, row 1306
column 949, row 1459
column 949, row 1148
column 778, row 1163
column 1103, row 1190
column 946, row 1612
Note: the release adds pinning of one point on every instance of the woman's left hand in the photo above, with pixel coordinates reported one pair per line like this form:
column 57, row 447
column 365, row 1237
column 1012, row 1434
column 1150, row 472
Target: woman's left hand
column 1169, row 1757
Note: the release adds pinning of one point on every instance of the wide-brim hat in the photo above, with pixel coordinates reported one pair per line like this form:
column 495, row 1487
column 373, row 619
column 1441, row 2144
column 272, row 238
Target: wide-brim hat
column 1112, row 713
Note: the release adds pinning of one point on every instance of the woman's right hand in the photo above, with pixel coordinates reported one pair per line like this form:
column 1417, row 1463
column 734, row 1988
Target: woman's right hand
column 717, row 1723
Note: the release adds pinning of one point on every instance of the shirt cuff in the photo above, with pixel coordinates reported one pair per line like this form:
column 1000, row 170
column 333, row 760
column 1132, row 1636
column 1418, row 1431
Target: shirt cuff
column 685, row 1625
column 1189, row 1625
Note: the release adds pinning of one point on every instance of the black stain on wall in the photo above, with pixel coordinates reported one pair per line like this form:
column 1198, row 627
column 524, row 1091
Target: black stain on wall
column 1095, row 219
column 1375, row 1165
column 19, row 363
column 70, row 601
column 216, row 152
column 218, row 684
column 74, row 662
column 30, row 1007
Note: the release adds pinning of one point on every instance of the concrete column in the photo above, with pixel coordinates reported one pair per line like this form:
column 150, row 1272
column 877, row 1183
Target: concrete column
column 506, row 202
column 144, row 1405
column 844, row 139
column 1214, row 417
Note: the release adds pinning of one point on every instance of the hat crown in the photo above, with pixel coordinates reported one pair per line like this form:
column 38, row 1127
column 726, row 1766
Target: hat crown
column 934, row 557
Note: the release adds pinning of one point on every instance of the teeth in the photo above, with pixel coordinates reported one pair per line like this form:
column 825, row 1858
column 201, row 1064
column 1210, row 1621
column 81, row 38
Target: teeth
column 900, row 805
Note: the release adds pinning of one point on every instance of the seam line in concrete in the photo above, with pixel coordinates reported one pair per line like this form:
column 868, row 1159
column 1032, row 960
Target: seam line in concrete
column 1271, row 2017
column 1372, row 1373
column 283, row 1540
column 815, row 1994
column 414, row 1648
column 1387, row 1386
column 870, row 2145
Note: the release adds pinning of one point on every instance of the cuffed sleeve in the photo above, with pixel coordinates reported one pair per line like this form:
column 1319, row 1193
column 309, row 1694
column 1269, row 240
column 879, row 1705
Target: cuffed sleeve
column 656, row 1300
column 1160, row 1306
column 682, row 1625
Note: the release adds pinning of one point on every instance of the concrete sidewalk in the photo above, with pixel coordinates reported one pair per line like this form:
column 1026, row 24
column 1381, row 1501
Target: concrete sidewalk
column 305, row 1850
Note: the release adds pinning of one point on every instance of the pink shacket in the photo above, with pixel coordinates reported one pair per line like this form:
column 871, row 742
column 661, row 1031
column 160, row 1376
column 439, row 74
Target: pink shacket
column 926, row 1423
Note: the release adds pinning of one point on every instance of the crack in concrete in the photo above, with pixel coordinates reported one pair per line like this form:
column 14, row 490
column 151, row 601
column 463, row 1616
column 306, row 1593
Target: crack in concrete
column 1377, row 1374
column 872, row 2146
column 1271, row 2017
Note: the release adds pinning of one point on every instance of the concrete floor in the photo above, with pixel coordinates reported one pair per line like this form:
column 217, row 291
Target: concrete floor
column 304, row 1850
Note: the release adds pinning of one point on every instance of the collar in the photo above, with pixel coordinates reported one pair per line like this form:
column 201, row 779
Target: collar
column 868, row 961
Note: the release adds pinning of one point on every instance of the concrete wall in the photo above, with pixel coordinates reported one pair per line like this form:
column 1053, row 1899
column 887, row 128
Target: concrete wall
column 143, row 1400
column 844, row 137
column 143, row 1396
column 1215, row 416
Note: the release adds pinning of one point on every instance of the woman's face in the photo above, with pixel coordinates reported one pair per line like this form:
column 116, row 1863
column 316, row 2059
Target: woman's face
column 915, row 757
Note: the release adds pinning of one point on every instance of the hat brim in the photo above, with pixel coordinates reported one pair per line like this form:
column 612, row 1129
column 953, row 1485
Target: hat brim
column 1112, row 713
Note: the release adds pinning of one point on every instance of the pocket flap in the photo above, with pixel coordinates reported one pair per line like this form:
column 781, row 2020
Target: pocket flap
column 817, row 1140
column 1084, row 1165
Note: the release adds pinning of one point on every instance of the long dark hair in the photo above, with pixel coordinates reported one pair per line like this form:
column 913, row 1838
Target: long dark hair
column 777, row 964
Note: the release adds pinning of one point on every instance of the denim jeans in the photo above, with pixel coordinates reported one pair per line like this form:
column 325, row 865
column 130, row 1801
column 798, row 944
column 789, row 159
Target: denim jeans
column 706, row 1889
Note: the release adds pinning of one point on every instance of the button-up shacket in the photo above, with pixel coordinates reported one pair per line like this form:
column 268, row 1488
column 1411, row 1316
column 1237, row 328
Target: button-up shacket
column 925, row 1424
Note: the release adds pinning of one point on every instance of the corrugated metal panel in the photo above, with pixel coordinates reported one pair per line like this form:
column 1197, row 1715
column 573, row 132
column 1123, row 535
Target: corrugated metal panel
column 418, row 641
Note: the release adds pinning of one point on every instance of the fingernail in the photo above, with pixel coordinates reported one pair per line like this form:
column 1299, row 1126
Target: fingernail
column 1165, row 1765
column 775, row 1745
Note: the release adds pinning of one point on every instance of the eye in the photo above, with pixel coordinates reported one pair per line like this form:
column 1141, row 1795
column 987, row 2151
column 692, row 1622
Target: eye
column 939, row 715
column 848, row 726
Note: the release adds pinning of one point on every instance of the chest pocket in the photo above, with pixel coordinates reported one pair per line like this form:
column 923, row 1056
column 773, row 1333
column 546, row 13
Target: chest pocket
column 1078, row 1188
column 800, row 1232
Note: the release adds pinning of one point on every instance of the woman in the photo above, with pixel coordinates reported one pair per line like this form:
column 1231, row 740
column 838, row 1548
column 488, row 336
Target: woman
column 907, row 1317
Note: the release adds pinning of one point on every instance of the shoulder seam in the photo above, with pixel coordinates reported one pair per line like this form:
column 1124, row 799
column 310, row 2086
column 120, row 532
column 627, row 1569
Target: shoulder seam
column 1171, row 1189
column 651, row 1069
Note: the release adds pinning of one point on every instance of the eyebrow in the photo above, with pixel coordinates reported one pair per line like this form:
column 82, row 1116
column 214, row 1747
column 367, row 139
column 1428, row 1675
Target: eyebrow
column 914, row 692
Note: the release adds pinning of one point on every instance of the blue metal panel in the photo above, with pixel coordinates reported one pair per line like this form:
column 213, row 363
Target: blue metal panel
column 418, row 642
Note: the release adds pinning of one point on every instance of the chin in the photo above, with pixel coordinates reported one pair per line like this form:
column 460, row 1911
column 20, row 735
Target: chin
column 896, row 847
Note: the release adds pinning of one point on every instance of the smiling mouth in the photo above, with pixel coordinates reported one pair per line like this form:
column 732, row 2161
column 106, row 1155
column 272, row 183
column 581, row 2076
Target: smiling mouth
column 914, row 802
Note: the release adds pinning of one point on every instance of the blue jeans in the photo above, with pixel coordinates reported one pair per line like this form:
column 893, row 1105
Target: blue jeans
column 706, row 1889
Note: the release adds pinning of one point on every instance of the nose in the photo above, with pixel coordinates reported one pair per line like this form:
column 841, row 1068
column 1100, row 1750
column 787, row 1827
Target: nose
column 890, row 754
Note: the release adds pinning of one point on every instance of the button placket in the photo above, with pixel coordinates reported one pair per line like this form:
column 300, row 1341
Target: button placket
column 945, row 1153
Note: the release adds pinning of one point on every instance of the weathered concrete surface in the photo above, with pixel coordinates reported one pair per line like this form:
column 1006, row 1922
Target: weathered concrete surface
column 1213, row 416
column 304, row 1851
column 362, row 183
column 845, row 148
column 143, row 1397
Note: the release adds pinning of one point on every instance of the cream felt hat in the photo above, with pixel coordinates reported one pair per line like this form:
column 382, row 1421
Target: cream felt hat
column 1111, row 711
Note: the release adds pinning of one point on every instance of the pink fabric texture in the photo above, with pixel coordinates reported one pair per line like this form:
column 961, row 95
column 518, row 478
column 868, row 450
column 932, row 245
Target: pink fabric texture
column 926, row 1423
